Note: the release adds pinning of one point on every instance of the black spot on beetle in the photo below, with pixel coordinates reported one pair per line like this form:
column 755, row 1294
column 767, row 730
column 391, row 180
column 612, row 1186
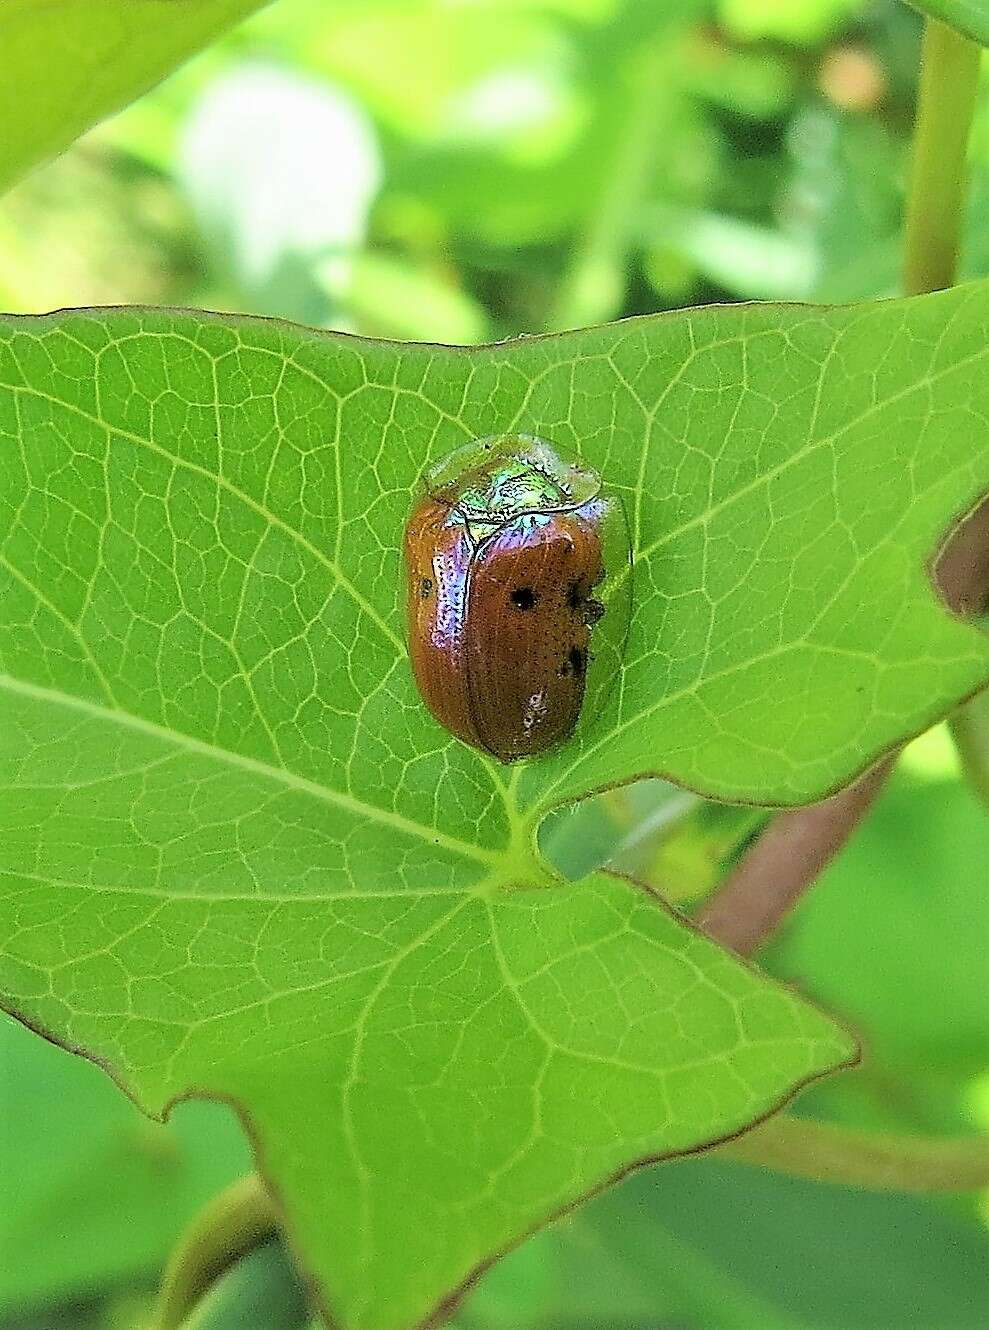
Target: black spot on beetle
column 579, row 600
column 524, row 598
column 577, row 660
column 426, row 587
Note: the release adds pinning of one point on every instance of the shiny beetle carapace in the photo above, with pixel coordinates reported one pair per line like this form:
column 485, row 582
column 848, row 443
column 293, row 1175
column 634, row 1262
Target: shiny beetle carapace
column 518, row 594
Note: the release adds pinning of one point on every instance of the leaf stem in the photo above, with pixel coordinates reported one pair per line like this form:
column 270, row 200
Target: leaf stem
column 786, row 859
column 825, row 1152
column 970, row 731
column 939, row 176
column 592, row 286
column 232, row 1224
column 935, row 214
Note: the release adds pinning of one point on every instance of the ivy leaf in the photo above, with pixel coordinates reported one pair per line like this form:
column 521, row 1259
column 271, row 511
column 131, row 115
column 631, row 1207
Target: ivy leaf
column 69, row 63
column 969, row 17
column 240, row 860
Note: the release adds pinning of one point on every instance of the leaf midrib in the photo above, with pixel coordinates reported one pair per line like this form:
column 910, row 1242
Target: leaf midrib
column 176, row 896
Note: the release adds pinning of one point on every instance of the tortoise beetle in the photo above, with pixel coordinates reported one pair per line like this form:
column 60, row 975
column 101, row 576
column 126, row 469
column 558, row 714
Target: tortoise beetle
column 518, row 594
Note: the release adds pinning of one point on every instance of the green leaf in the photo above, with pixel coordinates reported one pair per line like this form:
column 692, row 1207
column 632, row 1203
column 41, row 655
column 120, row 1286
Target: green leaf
column 94, row 1193
column 68, row 63
column 240, row 859
column 970, row 17
column 706, row 1243
column 803, row 24
column 607, row 830
column 910, row 903
column 261, row 1292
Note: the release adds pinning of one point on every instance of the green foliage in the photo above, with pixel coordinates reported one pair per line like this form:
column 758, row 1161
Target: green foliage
column 237, row 857
column 653, row 832
column 242, row 861
column 913, row 987
column 101, row 1193
column 498, row 138
column 701, row 1243
column 970, row 17
column 261, row 1292
column 803, row 23
column 706, row 1243
column 70, row 63
column 680, row 164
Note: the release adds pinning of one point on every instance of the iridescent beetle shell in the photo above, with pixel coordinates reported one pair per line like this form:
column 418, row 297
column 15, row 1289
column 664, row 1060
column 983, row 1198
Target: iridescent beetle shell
column 519, row 590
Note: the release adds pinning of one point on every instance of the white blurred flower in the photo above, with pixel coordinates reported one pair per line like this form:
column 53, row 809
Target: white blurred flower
column 281, row 170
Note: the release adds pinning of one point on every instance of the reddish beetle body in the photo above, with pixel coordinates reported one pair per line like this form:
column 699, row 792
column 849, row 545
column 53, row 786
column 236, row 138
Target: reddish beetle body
column 504, row 555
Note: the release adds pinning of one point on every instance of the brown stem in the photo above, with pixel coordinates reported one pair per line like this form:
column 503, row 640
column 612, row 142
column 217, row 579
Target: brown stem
column 962, row 570
column 786, row 859
column 962, row 575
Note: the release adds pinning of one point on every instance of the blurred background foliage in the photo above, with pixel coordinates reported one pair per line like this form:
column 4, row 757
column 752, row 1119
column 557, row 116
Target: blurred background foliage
column 465, row 170
column 472, row 169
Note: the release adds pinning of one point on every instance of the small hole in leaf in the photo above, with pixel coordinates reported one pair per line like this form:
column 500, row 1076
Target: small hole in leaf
column 961, row 566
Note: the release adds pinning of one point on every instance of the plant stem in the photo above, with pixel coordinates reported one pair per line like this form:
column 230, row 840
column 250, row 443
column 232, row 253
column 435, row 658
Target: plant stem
column 787, row 858
column 824, row 1152
column 970, row 731
column 232, row 1224
column 935, row 214
column 592, row 287
column 939, row 177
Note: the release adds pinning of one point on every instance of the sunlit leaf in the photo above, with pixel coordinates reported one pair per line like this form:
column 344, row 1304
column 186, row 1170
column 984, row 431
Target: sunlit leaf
column 803, row 23
column 267, row 218
column 239, row 858
column 69, row 63
column 970, row 17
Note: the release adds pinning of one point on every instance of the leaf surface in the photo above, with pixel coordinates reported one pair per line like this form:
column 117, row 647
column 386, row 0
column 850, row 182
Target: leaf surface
column 708, row 1243
column 970, row 17
column 239, row 858
column 262, row 1290
column 907, row 882
column 69, row 63
column 98, row 1197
